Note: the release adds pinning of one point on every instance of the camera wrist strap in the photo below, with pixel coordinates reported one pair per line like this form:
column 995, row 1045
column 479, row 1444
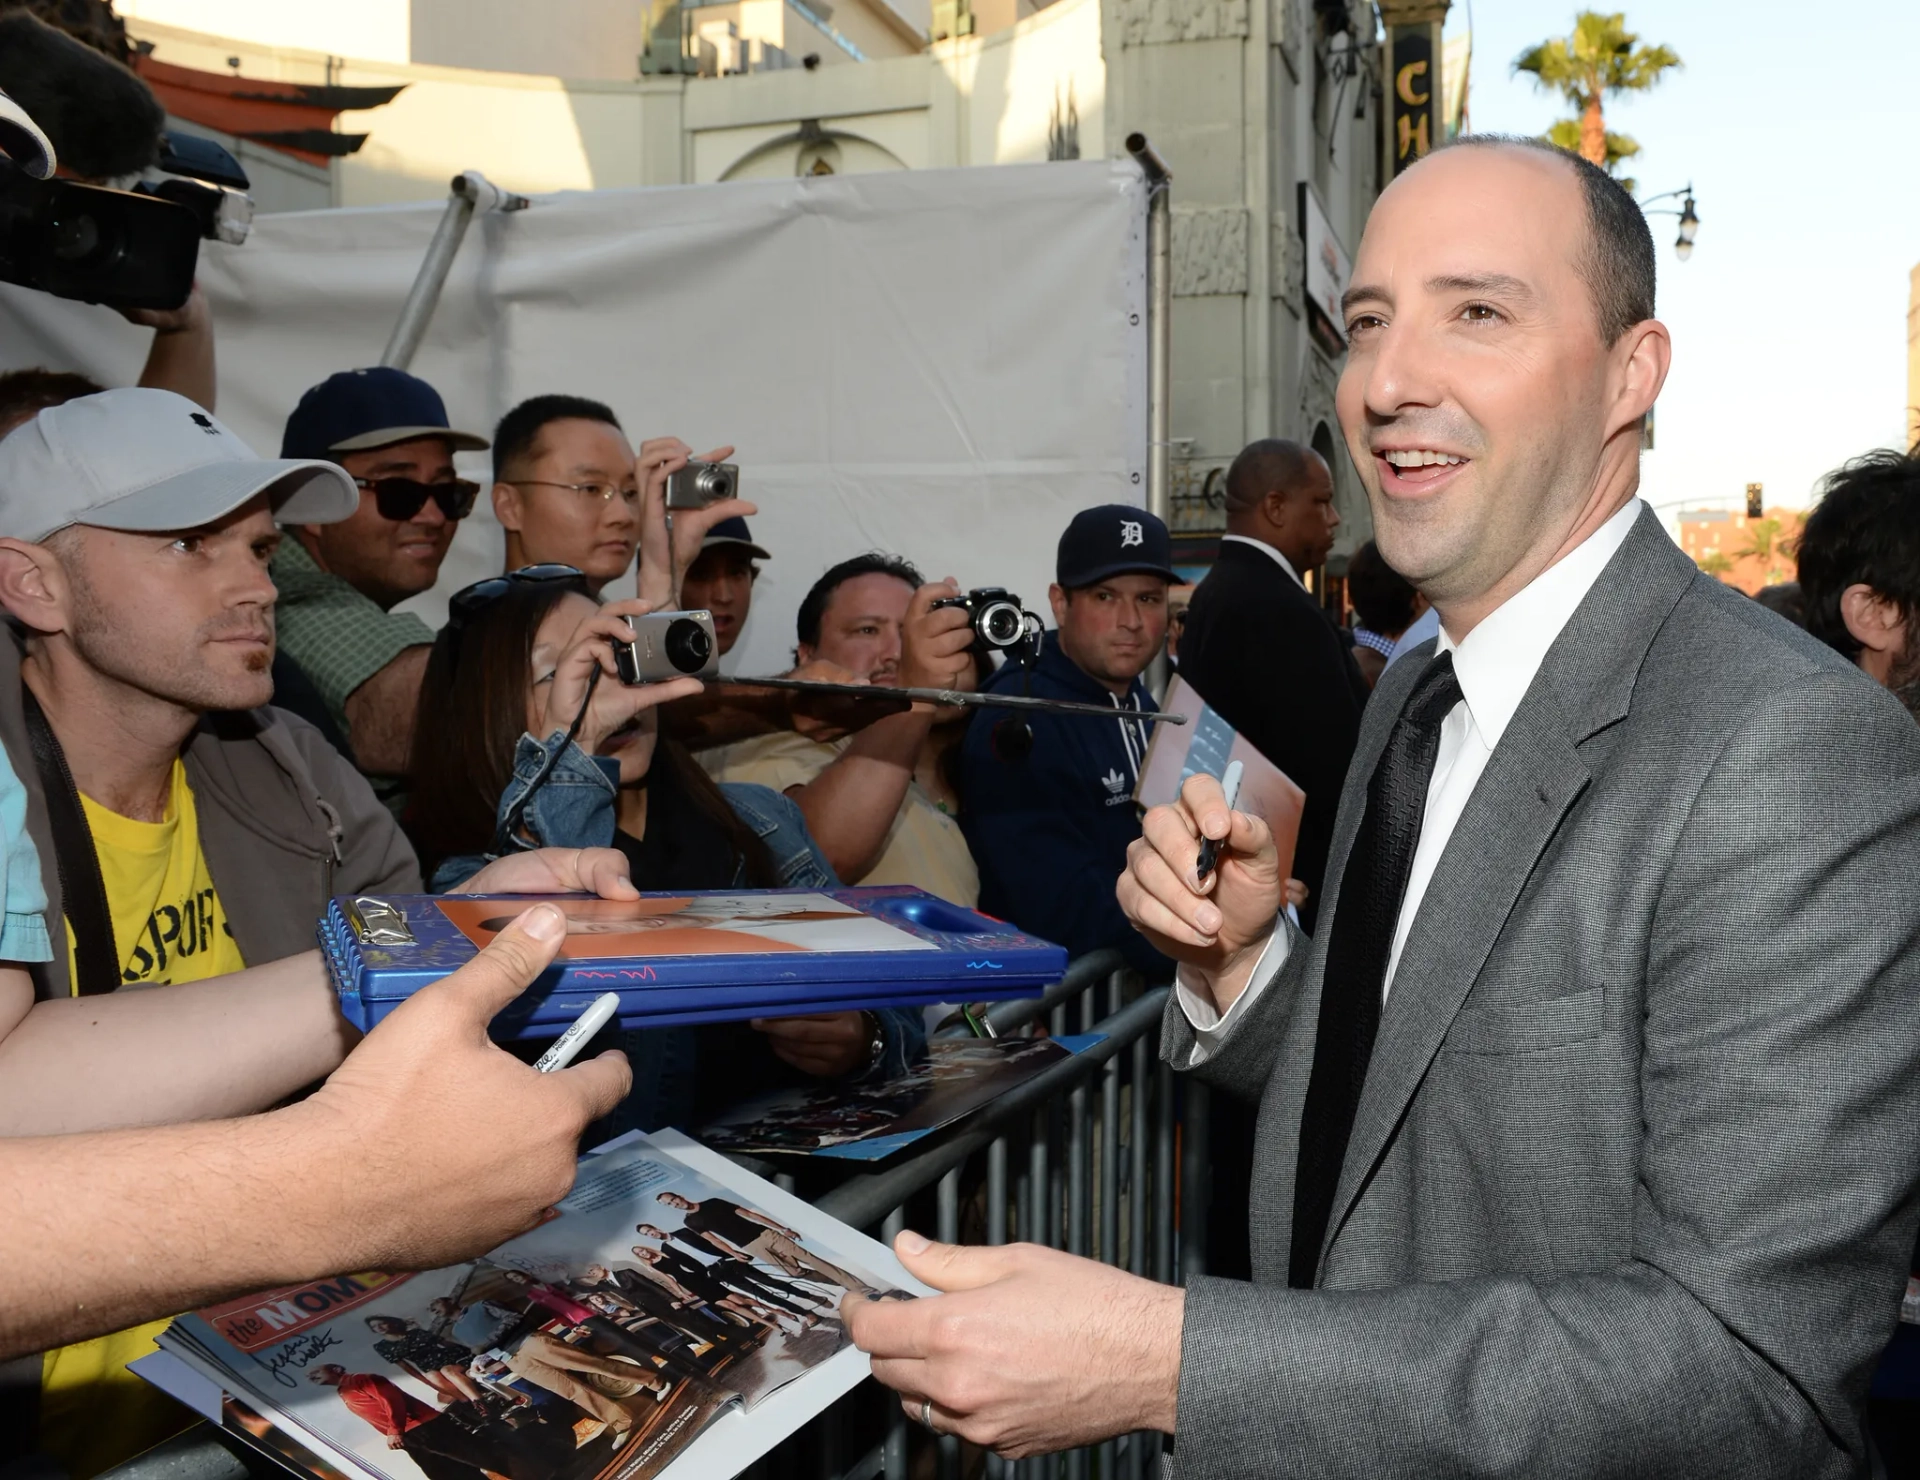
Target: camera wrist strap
column 83, row 895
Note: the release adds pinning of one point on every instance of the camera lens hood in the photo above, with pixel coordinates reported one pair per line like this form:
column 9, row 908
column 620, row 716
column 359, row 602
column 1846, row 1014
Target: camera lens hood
column 23, row 142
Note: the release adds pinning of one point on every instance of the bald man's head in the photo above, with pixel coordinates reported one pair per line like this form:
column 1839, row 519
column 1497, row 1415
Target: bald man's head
column 1501, row 360
column 1618, row 263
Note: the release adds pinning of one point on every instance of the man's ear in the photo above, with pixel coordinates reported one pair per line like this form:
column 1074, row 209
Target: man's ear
column 1643, row 357
column 1057, row 599
column 1876, row 623
column 1273, row 506
column 507, row 506
column 309, row 537
column 33, row 586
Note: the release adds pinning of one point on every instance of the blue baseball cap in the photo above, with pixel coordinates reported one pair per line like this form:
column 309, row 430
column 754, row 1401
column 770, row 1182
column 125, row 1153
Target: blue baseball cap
column 733, row 532
column 358, row 410
column 1113, row 540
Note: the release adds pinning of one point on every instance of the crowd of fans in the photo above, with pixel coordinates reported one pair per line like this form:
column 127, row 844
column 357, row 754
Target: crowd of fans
column 217, row 718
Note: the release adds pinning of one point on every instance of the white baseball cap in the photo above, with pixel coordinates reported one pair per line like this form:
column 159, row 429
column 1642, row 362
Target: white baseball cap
column 142, row 459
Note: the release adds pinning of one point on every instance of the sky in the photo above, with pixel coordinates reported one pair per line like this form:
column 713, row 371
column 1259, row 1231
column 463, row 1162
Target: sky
column 1794, row 124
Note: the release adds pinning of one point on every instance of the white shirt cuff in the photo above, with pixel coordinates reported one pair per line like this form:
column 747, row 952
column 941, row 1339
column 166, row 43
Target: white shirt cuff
column 1210, row 1029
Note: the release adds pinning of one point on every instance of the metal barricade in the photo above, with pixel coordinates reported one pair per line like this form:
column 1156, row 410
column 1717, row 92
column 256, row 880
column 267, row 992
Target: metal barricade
column 1098, row 1156
column 1102, row 1155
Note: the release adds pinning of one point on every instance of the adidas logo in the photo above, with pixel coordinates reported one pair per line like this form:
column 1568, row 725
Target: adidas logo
column 1115, row 782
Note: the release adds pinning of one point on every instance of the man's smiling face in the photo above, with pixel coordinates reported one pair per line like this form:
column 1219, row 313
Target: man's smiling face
column 1482, row 406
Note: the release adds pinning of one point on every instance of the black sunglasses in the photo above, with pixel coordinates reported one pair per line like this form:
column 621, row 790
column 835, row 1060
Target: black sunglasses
column 399, row 499
column 469, row 600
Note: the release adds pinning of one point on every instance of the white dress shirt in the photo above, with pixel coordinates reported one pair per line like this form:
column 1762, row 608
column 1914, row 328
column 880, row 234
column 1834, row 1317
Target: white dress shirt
column 1496, row 664
column 1269, row 551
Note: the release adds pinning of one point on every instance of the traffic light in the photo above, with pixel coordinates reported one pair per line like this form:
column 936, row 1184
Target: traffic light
column 1753, row 500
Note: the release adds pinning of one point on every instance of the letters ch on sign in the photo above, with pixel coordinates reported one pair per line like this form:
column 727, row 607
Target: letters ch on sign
column 1412, row 103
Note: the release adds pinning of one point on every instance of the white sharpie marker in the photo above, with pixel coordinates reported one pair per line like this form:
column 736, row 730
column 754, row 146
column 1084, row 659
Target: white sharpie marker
column 575, row 1038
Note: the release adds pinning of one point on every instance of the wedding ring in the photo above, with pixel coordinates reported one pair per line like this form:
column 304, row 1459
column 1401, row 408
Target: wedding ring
column 926, row 1413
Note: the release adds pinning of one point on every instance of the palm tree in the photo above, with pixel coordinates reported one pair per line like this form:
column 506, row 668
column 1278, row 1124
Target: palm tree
column 1717, row 564
column 1601, row 59
column 1770, row 542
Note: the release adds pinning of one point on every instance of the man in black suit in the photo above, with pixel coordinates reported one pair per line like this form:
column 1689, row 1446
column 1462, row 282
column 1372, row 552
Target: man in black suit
column 1263, row 655
column 1260, row 651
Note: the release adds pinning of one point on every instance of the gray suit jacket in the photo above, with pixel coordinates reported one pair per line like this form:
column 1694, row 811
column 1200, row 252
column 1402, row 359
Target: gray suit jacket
column 1632, row 1183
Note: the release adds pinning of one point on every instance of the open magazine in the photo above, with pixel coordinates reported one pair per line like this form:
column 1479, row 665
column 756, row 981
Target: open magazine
column 669, row 1303
column 864, row 1122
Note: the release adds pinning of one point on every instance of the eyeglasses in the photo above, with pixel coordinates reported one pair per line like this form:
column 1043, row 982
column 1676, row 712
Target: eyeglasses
column 602, row 491
column 470, row 600
column 399, row 499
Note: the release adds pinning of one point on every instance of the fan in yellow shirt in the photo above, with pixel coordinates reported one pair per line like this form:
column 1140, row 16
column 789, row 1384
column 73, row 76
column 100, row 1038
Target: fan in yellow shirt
column 168, row 927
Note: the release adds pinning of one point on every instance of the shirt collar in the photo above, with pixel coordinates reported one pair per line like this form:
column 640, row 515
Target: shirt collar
column 1264, row 548
column 1497, row 661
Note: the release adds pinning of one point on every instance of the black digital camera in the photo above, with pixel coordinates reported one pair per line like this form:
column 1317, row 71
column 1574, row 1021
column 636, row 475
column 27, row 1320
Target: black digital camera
column 668, row 645
column 1000, row 623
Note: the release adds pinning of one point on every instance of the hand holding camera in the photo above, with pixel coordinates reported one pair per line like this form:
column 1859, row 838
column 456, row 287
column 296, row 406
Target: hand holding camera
column 936, row 640
column 1000, row 623
column 671, row 543
column 599, row 643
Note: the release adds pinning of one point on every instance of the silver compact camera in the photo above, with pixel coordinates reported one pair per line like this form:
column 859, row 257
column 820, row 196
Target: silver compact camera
column 668, row 645
column 701, row 483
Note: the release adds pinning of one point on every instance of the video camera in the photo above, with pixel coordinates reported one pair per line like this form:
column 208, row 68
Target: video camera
column 134, row 248
column 63, row 102
column 1000, row 623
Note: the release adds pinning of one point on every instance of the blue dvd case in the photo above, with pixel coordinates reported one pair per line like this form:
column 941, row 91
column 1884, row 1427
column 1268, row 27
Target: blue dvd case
column 693, row 957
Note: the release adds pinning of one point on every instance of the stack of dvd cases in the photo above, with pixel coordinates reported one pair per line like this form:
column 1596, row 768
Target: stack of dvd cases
column 694, row 957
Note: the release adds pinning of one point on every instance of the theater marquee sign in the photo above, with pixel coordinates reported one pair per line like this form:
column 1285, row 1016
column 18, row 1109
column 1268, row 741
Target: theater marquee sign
column 1412, row 81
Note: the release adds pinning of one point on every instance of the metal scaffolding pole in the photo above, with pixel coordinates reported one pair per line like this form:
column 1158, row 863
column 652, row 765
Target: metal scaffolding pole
column 471, row 193
column 1159, row 355
column 1159, row 325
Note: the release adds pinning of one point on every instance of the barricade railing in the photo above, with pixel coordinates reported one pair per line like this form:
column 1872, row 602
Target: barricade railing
column 1102, row 1155
column 1097, row 1156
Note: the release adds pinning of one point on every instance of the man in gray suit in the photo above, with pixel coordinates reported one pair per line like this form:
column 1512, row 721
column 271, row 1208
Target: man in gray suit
column 1587, row 1131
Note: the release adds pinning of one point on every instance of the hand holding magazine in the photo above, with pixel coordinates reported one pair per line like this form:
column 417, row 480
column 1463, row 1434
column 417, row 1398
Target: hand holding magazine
column 675, row 1314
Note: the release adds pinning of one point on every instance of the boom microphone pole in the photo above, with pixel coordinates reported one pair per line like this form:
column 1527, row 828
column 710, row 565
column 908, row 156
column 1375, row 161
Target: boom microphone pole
column 953, row 698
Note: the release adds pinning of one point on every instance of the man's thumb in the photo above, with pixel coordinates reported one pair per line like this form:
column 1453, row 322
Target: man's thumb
column 507, row 966
column 949, row 1267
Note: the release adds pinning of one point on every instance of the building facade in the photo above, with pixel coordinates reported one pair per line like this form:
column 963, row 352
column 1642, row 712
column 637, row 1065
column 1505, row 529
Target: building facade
column 1269, row 114
column 1913, row 358
column 1746, row 552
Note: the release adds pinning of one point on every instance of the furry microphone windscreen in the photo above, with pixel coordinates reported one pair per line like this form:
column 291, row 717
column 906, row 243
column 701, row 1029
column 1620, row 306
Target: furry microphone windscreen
column 104, row 121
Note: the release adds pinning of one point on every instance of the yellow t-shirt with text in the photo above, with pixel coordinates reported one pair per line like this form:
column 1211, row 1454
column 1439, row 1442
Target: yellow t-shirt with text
column 168, row 928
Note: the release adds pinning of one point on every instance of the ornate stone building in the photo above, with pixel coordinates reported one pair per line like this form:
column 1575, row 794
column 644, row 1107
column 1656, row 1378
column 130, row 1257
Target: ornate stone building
column 1270, row 114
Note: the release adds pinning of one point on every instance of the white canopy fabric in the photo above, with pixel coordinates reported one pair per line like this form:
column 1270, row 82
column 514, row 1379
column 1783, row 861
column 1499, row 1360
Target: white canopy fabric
column 944, row 364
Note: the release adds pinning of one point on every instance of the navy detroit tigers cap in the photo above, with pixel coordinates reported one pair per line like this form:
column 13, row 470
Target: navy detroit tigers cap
column 357, row 410
column 1113, row 540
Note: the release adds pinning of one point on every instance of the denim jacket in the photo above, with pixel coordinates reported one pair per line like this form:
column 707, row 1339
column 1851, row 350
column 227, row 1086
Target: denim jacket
column 575, row 808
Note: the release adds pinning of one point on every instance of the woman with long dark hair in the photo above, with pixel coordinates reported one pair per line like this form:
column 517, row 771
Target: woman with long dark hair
column 514, row 663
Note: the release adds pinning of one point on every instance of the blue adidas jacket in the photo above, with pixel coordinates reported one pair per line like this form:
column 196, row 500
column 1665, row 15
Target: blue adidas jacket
column 1050, row 833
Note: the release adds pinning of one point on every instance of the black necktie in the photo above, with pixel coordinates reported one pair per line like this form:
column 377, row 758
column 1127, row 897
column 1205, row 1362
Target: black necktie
column 1371, row 888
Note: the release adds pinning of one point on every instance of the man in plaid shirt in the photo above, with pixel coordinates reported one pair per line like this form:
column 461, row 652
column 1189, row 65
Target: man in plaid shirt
column 339, row 583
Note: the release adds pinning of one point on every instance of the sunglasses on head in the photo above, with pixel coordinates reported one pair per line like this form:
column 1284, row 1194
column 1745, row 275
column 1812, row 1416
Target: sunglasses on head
column 468, row 600
column 399, row 499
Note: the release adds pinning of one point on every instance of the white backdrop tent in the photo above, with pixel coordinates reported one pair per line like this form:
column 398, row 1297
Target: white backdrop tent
column 941, row 363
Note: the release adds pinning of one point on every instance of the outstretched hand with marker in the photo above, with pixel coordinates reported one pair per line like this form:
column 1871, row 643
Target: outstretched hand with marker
column 482, row 1143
